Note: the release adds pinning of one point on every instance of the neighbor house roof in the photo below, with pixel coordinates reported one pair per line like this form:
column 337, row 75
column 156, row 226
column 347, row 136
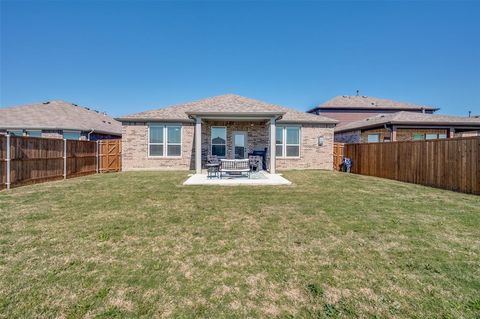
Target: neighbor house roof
column 369, row 102
column 58, row 115
column 228, row 104
column 410, row 118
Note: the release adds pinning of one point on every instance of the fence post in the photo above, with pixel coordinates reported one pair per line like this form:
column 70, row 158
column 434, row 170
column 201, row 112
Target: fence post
column 64, row 158
column 7, row 159
column 96, row 154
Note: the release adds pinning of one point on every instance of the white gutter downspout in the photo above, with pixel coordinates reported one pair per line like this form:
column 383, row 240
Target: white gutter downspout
column 88, row 135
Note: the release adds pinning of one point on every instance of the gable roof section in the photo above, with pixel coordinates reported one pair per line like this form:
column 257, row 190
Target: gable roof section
column 409, row 118
column 58, row 115
column 231, row 104
column 370, row 103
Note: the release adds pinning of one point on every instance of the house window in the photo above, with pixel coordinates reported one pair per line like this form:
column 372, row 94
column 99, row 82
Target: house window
column 287, row 141
column 418, row 136
column 34, row 133
column 219, row 141
column 279, row 141
column 165, row 140
column 373, row 138
column 71, row 135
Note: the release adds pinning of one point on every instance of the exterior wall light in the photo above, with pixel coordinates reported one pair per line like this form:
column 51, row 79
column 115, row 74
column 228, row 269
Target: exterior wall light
column 321, row 140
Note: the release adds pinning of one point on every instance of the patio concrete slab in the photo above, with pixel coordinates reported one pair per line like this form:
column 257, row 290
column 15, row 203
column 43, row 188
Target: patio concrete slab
column 258, row 179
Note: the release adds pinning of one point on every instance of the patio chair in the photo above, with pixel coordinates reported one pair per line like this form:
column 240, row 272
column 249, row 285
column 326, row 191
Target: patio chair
column 213, row 166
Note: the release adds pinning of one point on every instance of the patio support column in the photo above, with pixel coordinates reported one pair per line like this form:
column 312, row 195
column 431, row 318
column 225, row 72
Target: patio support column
column 272, row 146
column 198, row 145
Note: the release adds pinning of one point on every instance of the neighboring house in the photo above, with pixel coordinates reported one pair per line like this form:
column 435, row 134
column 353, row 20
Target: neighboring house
column 406, row 126
column 229, row 126
column 347, row 109
column 58, row 119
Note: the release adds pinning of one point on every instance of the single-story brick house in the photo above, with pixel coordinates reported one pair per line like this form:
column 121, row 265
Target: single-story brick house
column 229, row 126
column 58, row 119
column 406, row 126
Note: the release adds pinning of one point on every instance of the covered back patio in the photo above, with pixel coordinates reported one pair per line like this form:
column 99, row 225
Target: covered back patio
column 235, row 136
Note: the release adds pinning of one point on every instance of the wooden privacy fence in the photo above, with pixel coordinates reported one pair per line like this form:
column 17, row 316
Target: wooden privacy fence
column 28, row 160
column 452, row 164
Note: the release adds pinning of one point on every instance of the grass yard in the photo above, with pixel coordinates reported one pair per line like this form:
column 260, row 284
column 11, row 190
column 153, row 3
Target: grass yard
column 140, row 245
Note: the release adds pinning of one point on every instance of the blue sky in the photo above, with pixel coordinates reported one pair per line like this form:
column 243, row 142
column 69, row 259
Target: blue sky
column 124, row 57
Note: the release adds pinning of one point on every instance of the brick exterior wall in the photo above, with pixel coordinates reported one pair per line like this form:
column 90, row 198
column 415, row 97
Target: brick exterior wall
column 312, row 156
column 382, row 131
column 403, row 134
column 407, row 134
column 135, row 150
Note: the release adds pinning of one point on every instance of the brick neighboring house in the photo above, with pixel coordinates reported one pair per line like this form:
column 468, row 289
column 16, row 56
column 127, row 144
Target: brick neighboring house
column 58, row 119
column 229, row 126
column 348, row 109
column 406, row 126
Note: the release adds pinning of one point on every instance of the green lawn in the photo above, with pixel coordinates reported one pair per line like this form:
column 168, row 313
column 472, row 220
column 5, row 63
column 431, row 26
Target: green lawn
column 330, row 246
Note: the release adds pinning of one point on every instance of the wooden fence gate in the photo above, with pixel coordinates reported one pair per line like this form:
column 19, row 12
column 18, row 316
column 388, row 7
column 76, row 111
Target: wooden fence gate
column 338, row 151
column 110, row 155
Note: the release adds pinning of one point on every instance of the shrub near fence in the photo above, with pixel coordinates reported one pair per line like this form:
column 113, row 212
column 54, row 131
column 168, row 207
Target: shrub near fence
column 452, row 164
column 36, row 160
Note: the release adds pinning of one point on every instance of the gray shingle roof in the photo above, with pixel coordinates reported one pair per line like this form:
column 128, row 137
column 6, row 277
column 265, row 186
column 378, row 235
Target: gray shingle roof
column 409, row 118
column 58, row 115
column 369, row 102
column 228, row 104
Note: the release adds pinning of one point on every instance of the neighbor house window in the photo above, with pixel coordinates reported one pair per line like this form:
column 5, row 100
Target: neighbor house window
column 373, row 138
column 71, row 135
column 15, row 132
column 418, row 136
column 431, row 136
column 287, row 141
column 35, row 133
column 219, row 141
column 165, row 140
column 442, row 135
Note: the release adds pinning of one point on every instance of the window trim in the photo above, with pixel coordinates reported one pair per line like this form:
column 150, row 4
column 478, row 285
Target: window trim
column 284, row 142
column 165, row 143
column 226, row 141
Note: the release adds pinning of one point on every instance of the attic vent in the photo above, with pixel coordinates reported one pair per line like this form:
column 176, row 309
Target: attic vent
column 48, row 102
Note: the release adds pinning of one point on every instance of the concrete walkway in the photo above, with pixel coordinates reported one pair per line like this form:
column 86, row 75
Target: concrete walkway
column 260, row 178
